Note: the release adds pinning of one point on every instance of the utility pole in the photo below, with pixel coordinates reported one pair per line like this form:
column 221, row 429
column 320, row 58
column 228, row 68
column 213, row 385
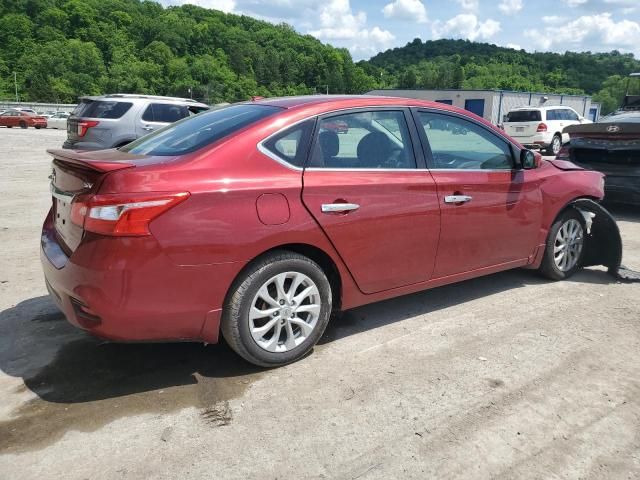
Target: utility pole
column 15, row 82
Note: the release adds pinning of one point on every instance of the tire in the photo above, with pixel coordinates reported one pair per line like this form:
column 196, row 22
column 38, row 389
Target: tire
column 23, row 125
column 253, row 336
column 555, row 145
column 560, row 262
column 9, row 126
column 38, row 128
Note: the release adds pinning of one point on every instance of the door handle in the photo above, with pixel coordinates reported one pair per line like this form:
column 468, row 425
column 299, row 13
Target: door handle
column 147, row 128
column 457, row 199
column 339, row 207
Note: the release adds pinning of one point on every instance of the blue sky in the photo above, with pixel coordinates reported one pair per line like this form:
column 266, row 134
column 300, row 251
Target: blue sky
column 367, row 27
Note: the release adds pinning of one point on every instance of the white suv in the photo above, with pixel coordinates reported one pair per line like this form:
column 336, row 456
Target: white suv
column 541, row 127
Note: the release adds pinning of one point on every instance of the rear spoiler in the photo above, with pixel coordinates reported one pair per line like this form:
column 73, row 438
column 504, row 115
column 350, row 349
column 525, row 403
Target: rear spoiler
column 606, row 128
column 102, row 161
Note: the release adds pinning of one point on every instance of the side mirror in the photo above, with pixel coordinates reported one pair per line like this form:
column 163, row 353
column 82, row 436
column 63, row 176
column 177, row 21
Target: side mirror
column 529, row 160
column 580, row 118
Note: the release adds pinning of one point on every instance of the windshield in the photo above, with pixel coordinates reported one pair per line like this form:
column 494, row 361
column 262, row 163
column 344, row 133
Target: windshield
column 524, row 116
column 195, row 132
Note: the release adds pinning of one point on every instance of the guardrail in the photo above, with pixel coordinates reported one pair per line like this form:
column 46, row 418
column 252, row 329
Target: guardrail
column 38, row 107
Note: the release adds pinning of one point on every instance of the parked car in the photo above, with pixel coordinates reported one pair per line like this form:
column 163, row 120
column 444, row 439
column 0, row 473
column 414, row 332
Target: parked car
column 17, row 118
column 58, row 120
column 337, row 126
column 254, row 221
column 110, row 121
column 611, row 146
column 541, row 127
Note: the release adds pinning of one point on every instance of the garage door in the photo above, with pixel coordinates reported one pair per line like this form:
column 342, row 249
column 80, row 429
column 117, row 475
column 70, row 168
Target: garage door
column 475, row 106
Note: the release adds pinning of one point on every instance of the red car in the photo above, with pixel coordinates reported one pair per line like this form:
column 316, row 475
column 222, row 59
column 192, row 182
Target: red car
column 256, row 221
column 17, row 118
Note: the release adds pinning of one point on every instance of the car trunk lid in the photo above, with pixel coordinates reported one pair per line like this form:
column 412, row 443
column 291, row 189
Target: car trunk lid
column 522, row 123
column 76, row 174
column 608, row 147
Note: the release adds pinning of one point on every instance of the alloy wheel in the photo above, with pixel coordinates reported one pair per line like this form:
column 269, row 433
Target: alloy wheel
column 568, row 245
column 555, row 145
column 284, row 312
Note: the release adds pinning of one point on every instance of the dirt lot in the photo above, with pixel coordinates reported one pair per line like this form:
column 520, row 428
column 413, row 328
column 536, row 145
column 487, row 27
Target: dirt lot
column 508, row 376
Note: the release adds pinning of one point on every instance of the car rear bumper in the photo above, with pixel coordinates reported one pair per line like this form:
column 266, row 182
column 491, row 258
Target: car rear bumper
column 534, row 142
column 127, row 289
column 622, row 189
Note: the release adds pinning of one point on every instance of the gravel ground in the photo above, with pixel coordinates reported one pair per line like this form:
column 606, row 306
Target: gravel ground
column 508, row 376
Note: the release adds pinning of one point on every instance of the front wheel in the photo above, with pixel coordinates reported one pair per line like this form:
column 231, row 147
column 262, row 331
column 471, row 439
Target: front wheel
column 565, row 246
column 277, row 310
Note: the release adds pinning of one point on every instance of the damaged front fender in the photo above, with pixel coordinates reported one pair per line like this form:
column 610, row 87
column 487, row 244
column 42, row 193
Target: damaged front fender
column 603, row 244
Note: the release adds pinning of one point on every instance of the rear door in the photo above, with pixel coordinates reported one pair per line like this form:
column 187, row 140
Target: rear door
column 522, row 124
column 157, row 115
column 369, row 191
column 491, row 213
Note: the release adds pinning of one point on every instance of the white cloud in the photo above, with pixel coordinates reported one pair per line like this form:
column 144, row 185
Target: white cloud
column 553, row 19
column 406, row 10
column 466, row 25
column 338, row 22
column 510, row 7
column 515, row 46
column 597, row 32
column 469, row 5
column 575, row 3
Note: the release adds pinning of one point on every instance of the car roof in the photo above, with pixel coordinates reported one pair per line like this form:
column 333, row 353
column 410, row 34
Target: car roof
column 321, row 103
column 141, row 97
column 545, row 107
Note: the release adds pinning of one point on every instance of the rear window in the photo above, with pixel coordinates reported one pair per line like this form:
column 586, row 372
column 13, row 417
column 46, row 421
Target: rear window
column 193, row 133
column 524, row 116
column 101, row 109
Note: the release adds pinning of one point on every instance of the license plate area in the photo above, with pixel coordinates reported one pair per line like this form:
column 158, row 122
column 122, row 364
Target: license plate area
column 519, row 129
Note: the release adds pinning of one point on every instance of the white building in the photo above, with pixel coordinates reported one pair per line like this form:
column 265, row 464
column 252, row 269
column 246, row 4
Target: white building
column 492, row 105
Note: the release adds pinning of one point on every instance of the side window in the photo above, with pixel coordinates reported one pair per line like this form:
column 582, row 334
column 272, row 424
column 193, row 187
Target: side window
column 368, row 140
column 551, row 115
column 571, row 115
column 292, row 144
column 457, row 143
column 165, row 112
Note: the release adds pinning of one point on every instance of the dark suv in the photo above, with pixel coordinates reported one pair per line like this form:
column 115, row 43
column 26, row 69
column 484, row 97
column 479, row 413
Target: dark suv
column 110, row 121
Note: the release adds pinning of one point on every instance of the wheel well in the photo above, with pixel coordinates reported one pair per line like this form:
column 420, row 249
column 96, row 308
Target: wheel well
column 325, row 262
column 122, row 144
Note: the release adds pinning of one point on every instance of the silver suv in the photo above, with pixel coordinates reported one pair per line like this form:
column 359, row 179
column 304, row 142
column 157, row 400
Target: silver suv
column 110, row 121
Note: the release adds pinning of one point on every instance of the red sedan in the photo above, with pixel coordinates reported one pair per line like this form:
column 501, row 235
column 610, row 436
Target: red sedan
column 17, row 118
column 257, row 220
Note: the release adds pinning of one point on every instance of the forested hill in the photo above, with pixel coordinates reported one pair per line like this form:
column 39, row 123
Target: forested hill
column 465, row 64
column 61, row 49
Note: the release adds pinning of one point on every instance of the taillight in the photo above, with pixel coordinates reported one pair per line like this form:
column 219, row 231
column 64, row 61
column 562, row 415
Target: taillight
column 85, row 125
column 122, row 214
column 542, row 127
column 564, row 153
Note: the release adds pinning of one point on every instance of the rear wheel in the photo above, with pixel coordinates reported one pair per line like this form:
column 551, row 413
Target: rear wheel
column 555, row 145
column 23, row 125
column 277, row 310
column 565, row 246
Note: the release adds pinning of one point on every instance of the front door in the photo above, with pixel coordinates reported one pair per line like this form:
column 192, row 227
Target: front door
column 364, row 187
column 491, row 212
